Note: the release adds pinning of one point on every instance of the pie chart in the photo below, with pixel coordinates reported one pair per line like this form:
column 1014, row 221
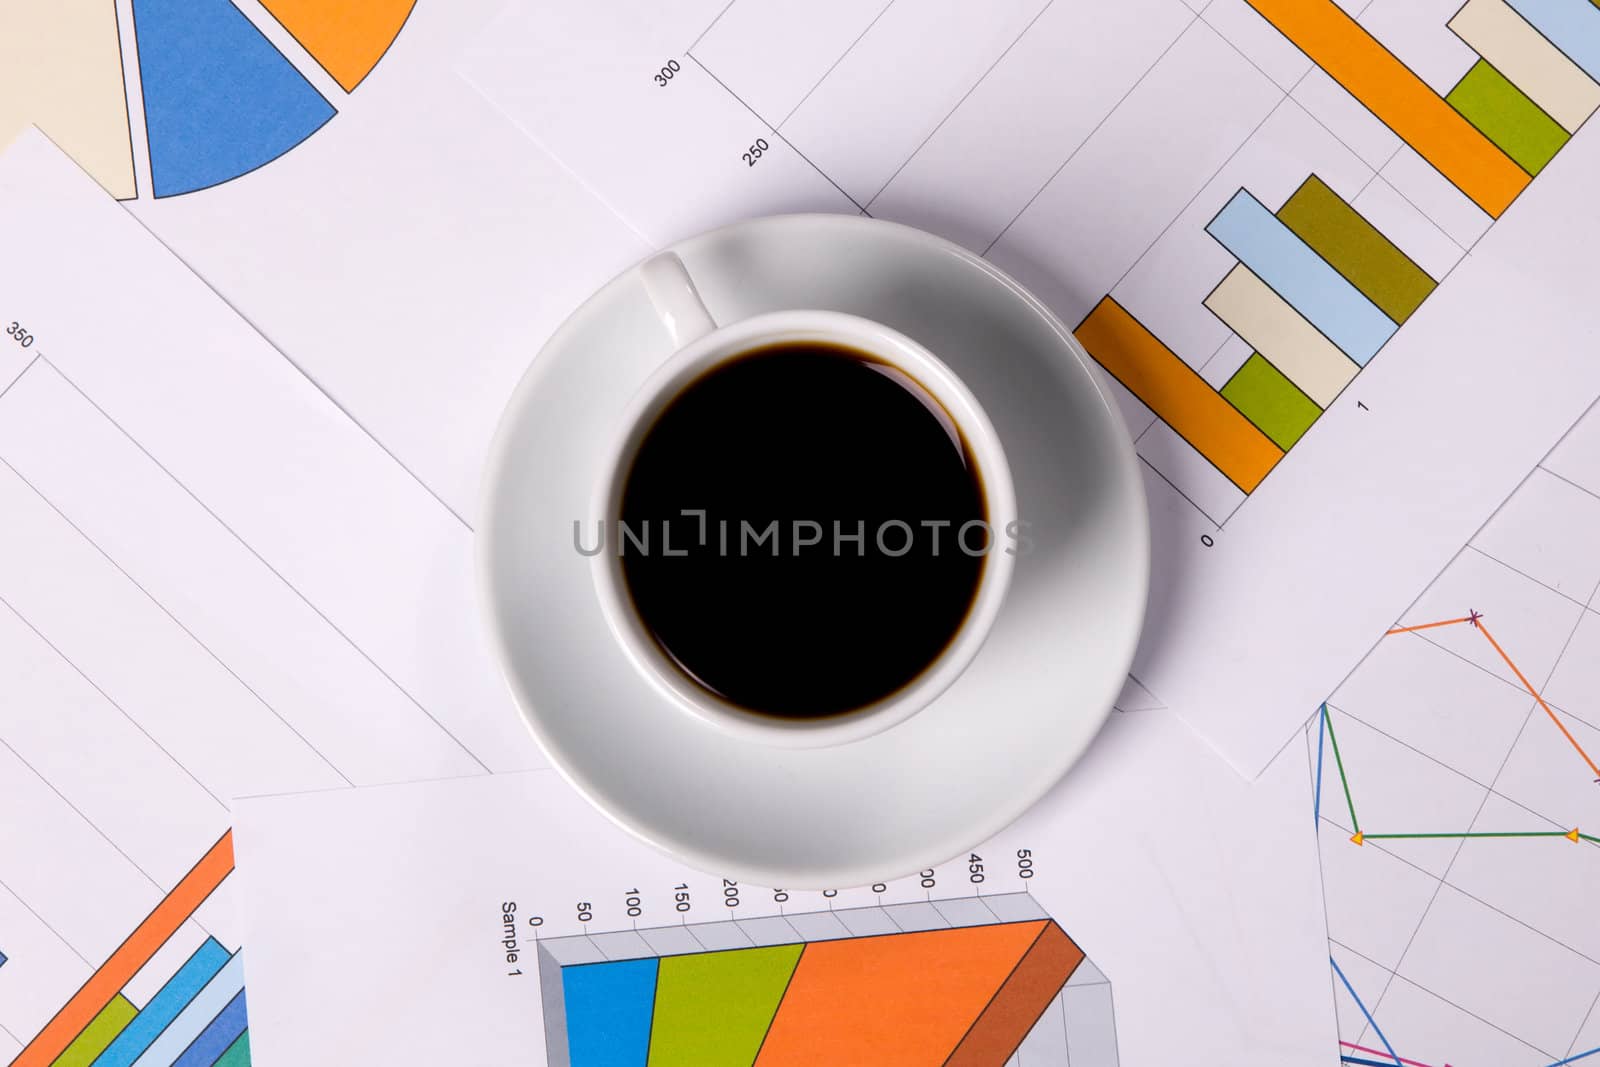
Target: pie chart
column 212, row 90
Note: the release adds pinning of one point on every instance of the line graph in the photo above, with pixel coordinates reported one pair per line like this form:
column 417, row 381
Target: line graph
column 1475, row 620
column 1376, row 1052
column 1337, row 970
column 1456, row 800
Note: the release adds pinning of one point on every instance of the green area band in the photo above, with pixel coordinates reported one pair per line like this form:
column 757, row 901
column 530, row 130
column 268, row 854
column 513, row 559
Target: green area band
column 715, row 1007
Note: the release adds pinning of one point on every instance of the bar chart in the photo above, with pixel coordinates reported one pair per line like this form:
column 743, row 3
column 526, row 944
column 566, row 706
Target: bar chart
column 195, row 1019
column 1466, row 155
column 973, row 981
column 1316, row 291
column 1416, row 132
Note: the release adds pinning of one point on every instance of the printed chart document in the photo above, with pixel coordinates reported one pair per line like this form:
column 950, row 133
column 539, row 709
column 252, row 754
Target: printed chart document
column 1459, row 800
column 323, row 167
column 212, row 583
column 1336, row 260
column 1156, row 903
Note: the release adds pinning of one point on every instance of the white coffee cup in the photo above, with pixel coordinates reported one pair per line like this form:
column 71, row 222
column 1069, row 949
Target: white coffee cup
column 703, row 345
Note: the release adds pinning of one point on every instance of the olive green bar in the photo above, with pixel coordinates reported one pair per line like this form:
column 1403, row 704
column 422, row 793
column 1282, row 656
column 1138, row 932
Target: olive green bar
column 1270, row 401
column 1505, row 115
column 1353, row 246
column 101, row 1031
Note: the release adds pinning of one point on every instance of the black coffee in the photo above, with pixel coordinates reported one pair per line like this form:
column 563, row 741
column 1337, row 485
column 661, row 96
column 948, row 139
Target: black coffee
column 802, row 530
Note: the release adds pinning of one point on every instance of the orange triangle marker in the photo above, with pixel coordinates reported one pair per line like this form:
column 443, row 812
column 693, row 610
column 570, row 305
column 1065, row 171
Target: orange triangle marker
column 1358, row 839
column 1573, row 836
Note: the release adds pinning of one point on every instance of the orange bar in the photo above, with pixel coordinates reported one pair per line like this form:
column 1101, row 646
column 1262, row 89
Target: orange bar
column 1027, row 992
column 1402, row 101
column 899, row 1000
column 173, row 911
column 1181, row 398
column 345, row 37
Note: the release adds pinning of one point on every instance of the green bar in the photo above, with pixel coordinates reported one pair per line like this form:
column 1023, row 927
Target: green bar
column 1272, row 402
column 238, row 1054
column 101, row 1031
column 1507, row 117
column 715, row 1007
column 1353, row 246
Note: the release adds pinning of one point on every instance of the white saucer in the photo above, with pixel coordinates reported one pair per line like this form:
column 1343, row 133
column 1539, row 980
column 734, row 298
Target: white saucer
column 956, row 772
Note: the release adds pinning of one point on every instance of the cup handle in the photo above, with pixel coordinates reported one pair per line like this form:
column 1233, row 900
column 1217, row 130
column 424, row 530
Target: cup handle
column 675, row 298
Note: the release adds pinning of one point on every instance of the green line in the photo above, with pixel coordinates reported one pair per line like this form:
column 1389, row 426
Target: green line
column 1591, row 837
column 1338, row 759
column 1517, row 833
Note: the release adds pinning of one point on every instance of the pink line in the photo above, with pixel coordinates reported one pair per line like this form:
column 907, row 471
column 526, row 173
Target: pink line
column 1385, row 1055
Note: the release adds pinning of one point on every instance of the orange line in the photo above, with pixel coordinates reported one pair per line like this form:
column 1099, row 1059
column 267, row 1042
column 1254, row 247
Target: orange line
column 1425, row 626
column 1402, row 101
column 1181, row 398
column 1535, row 693
column 173, row 911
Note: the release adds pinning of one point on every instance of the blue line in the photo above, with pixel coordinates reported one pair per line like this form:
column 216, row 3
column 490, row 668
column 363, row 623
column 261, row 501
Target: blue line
column 1575, row 1059
column 1322, row 729
column 1365, row 1063
column 1370, row 1020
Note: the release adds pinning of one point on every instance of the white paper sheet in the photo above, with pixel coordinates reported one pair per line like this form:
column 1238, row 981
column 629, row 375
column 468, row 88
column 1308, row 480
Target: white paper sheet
column 1087, row 148
column 411, row 253
column 1163, row 866
column 212, row 583
column 1460, row 945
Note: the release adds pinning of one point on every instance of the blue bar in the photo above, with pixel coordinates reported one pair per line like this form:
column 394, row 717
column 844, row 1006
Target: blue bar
column 164, row 1007
column 196, row 1015
column 1571, row 25
column 1287, row 264
column 215, row 1038
column 609, row 1006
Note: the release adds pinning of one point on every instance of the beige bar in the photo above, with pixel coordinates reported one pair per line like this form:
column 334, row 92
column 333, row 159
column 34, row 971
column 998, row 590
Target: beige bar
column 1494, row 30
column 1279, row 332
column 61, row 70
